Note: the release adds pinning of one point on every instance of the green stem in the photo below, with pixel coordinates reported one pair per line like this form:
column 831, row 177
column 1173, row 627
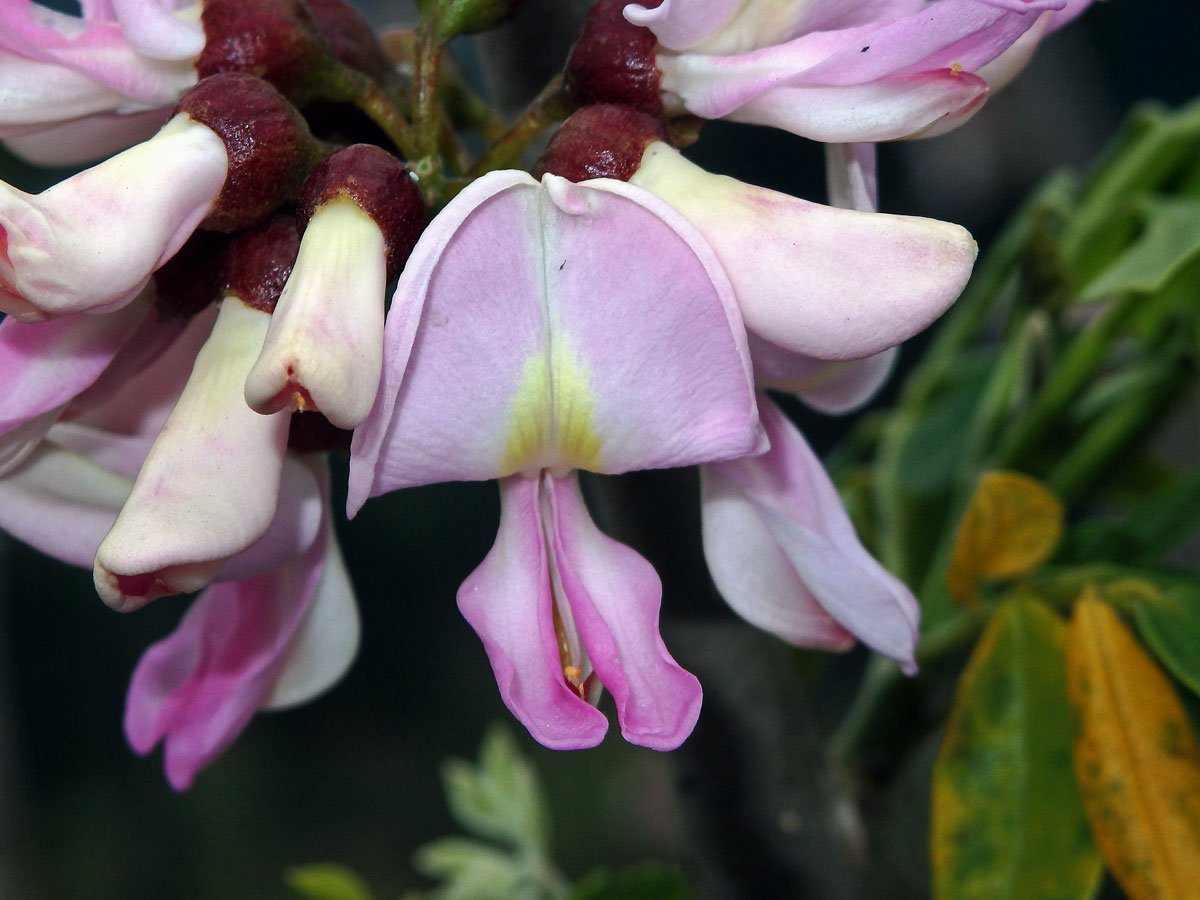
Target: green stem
column 1104, row 442
column 552, row 105
column 1084, row 356
column 427, row 117
column 351, row 86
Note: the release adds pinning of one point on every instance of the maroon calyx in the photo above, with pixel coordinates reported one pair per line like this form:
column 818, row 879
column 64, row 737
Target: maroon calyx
column 191, row 279
column 280, row 41
column 269, row 146
column 601, row 141
column 614, row 61
column 351, row 38
column 259, row 261
column 378, row 184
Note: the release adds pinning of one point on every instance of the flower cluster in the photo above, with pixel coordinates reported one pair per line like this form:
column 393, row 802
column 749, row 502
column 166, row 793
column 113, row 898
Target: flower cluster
column 193, row 323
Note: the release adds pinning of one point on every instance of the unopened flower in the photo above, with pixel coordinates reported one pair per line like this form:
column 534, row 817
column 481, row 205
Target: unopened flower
column 210, row 485
column 539, row 329
column 92, row 242
column 361, row 215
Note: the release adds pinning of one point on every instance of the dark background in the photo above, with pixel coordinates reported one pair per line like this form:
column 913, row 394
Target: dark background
column 353, row 776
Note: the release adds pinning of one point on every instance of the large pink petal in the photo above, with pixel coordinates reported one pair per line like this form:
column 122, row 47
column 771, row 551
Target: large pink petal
column 614, row 597
column 198, row 688
column 880, row 79
column 799, row 510
column 509, row 602
column 564, row 326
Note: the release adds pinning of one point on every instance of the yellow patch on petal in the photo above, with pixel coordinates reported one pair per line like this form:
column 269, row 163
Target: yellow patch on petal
column 550, row 418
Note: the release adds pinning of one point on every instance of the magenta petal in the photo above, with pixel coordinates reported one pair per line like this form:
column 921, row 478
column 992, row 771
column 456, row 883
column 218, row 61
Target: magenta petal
column 509, row 602
column 199, row 687
column 799, row 510
column 614, row 597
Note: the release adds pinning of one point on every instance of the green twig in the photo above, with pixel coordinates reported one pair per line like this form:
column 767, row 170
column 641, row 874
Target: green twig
column 552, row 105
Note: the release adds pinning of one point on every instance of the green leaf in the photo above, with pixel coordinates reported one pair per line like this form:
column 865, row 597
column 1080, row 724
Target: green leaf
column 1154, row 151
column 1008, row 823
column 473, row 870
column 649, row 881
column 1171, row 240
column 1170, row 624
column 500, row 798
column 327, row 881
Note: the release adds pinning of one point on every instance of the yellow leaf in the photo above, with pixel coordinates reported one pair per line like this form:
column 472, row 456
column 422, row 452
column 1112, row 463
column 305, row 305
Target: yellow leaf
column 1135, row 758
column 1011, row 526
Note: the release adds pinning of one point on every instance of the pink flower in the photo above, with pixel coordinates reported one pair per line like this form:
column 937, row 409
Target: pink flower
column 608, row 340
column 828, row 70
column 79, row 88
column 277, row 626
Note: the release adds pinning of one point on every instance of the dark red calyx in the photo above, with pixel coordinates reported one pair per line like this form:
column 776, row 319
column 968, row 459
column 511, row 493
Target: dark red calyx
column 378, row 184
column 280, row 41
column 311, row 432
column 259, row 261
column 268, row 142
column 601, row 141
column 191, row 279
column 351, row 38
column 614, row 62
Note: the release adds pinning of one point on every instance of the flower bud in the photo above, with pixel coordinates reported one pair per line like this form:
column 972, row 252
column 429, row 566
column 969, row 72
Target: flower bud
column 259, row 261
column 362, row 216
column 379, row 185
column 191, row 279
column 280, row 41
column 601, row 141
column 209, row 486
column 614, row 61
column 269, row 146
column 351, row 38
